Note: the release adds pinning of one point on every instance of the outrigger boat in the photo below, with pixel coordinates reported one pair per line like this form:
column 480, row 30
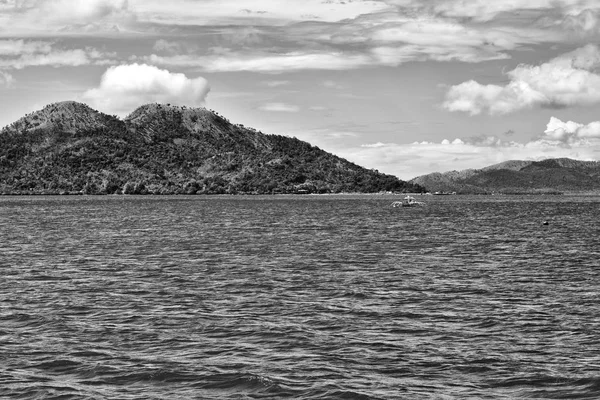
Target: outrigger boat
column 408, row 201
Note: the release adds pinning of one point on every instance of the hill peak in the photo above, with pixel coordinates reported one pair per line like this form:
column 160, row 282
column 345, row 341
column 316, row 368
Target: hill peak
column 68, row 147
column 152, row 108
column 67, row 116
column 67, row 104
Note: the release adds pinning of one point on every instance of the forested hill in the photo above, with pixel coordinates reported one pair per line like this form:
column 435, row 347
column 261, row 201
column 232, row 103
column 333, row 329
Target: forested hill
column 161, row 149
column 551, row 176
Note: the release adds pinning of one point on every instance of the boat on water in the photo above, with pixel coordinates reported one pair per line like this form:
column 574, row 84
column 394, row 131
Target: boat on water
column 408, row 201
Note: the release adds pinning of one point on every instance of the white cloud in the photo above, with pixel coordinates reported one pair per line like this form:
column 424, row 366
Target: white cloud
column 567, row 80
column 18, row 54
column 332, row 85
column 374, row 145
column 6, row 79
column 440, row 39
column 279, row 107
column 411, row 160
column 260, row 61
column 581, row 141
column 227, row 11
column 571, row 132
column 56, row 58
column 125, row 87
column 167, row 46
column 276, row 83
column 42, row 17
column 485, row 10
column 340, row 35
column 19, row 47
column 264, row 62
column 387, row 39
column 81, row 11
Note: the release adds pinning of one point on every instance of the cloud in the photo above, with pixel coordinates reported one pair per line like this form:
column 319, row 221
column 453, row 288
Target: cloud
column 269, row 62
column 125, row 87
column 269, row 36
column 571, row 132
column 411, row 160
column 19, row 47
column 585, row 21
column 47, row 17
column 18, row 54
column 567, row 80
column 276, row 83
column 484, row 10
column 226, row 12
column 264, row 62
column 166, row 46
column 279, row 107
column 81, row 11
column 544, row 12
column 6, row 79
column 387, row 39
column 58, row 58
column 442, row 39
column 42, row 17
column 329, row 84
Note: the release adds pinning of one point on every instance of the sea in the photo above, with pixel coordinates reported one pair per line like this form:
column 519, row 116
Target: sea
column 300, row 297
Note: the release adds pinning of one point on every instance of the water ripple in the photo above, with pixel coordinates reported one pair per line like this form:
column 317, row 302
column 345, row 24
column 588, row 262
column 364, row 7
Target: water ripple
column 328, row 297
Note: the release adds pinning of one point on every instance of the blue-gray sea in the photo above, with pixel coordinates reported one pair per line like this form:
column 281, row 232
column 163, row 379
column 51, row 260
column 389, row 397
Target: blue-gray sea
column 304, row 297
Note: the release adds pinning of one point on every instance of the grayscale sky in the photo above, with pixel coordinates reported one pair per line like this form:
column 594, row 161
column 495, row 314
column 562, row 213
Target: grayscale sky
column 407, row 87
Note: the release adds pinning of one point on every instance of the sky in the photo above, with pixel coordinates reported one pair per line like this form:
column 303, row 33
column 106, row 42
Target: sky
column 407, row 87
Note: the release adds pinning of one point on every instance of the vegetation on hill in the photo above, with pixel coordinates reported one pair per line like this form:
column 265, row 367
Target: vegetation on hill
column 161, row 149
column 550, row 176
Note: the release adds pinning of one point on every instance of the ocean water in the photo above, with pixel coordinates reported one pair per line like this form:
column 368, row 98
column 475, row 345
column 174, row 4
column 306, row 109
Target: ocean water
column 304, row 297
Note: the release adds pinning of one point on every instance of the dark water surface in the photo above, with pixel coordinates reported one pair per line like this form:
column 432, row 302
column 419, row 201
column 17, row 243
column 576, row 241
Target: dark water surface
column 329, row 297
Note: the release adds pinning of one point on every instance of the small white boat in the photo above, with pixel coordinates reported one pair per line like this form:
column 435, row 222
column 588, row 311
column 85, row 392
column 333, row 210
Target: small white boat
column 408, row 201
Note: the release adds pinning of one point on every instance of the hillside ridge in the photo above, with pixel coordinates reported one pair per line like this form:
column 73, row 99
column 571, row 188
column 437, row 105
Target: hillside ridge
column 550, row 176
column 70, row 148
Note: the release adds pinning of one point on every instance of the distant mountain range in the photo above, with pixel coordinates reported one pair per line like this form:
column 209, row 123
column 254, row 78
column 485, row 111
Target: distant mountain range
column 551, row 176
column 69, row 148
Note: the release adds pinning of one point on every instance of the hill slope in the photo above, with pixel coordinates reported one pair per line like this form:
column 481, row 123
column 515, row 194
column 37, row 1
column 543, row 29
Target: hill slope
column 70, row 148
column 516, row 177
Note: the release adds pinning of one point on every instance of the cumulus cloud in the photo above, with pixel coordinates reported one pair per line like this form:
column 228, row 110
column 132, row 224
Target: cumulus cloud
column 279, row 107
column 568, row 80
column 125, row 87
column 571, row 132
